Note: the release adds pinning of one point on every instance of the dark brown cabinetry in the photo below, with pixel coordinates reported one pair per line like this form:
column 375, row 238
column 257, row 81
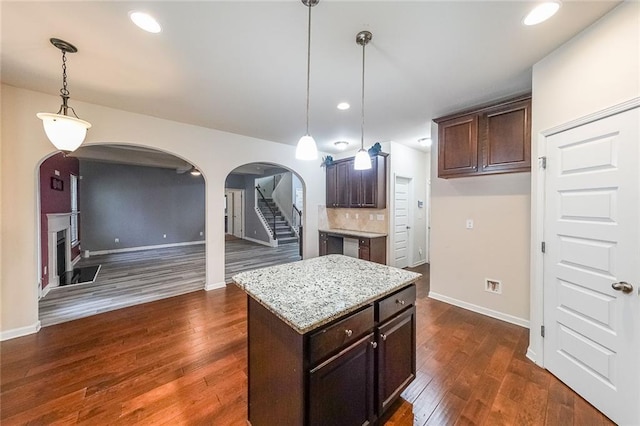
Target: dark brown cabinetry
column 347, row 187
column 371, row 249
column 487, row 140
column 347, row 372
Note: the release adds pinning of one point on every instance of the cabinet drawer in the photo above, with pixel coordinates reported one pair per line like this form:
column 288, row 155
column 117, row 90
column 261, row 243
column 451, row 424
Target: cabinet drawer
column 336, row 336
column 396, row 302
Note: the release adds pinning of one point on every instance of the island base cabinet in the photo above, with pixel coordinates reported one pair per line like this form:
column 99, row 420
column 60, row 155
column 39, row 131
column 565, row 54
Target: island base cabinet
column 341, row 388
column 396, row 365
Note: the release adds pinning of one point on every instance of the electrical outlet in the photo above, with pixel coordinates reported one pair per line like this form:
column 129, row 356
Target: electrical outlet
column 493, row 286
column 45, row 270
column 469, row 223
column 370, row 217
column 380, row 217
column 117, row 240
column 201, row 233
column 420, row 251
column 357, row 216
column 164, row 235
column 346, row 215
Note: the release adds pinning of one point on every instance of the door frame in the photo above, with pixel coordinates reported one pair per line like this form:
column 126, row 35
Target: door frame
column 231, row 209
column 392, row 240
column 535, row 351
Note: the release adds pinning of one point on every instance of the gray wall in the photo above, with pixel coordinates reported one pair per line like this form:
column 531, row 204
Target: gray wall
column 138, row 205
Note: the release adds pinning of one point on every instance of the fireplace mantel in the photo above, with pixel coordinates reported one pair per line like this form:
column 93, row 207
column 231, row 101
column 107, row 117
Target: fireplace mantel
column 57, row 222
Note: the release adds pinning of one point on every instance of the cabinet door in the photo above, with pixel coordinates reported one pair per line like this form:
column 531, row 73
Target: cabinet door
column 364, row 250
column 506, row 138
column 355, row 187
column 342, row 183
column 369, row 185
column 341, row 389
column 458, row 146
column 323, row 244
column 396, row 357
column 331, row 182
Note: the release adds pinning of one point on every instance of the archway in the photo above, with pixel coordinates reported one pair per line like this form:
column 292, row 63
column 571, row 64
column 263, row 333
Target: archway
column 140, row 224
column 264, row 204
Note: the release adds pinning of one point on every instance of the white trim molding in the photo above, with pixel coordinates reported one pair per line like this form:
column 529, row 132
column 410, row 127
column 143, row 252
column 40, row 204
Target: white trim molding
column 159, row 246
column 270, row 243
column 214, row 286
column 480, row 309
column 19, row 332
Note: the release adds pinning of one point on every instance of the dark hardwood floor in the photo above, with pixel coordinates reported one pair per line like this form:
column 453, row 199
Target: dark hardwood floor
column 183, row 360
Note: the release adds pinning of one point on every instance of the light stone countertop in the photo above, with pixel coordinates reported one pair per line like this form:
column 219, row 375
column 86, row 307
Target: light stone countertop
column 353, row 233
column 313, row 292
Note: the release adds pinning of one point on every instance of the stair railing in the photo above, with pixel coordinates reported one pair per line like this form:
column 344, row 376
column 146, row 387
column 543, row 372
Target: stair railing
column 275, row 235
column 296, row 218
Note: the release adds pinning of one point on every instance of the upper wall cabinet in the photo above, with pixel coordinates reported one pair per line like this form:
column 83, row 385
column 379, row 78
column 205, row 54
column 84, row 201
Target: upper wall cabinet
column 486, row 140
column 347, row 187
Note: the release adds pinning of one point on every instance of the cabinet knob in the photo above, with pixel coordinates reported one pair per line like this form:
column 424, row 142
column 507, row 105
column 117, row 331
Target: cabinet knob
column 348, row 332
column 374, row 344
column 400, row 302
column 384, row 336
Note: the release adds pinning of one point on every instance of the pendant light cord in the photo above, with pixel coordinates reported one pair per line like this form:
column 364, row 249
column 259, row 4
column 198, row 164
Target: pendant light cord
column 308, row 62
column 362, row 125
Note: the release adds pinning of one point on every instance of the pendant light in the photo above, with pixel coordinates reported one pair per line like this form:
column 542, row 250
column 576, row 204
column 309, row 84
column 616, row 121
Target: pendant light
column 64, row 131
column 362, row 160
column 307, row 149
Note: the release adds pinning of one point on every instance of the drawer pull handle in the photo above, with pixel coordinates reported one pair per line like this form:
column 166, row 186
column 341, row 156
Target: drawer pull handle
column 384, row 336
column 348, row 332
column 400, row 302
column 374, row 344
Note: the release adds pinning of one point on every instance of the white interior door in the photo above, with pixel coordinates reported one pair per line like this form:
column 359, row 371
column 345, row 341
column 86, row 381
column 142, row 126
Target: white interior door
column 238, row 213
column 401, row 223
column 592, row 225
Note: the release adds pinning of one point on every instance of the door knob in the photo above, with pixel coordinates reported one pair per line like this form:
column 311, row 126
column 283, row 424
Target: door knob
column 623, row 287
column 408, row 227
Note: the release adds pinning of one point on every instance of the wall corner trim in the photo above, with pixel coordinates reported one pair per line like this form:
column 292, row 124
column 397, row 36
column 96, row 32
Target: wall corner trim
column 480, row 309
column 214, row 286
column 19, row 332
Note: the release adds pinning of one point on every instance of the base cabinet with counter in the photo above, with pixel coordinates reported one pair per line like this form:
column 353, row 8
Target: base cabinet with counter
column 352, row 371
column 370, row 247
column 347, row 371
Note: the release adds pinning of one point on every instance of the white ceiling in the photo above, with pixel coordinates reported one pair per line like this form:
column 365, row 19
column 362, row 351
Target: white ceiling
column 240, row 66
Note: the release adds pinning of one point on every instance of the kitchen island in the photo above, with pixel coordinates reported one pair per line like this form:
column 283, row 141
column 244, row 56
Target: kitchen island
column 331, row 340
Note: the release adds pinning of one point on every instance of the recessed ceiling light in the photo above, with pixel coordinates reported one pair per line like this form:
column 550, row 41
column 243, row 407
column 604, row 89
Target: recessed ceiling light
column 343, row 105
column 145, row 21
column 541, row 12
column 425, row 142
column 341, row 145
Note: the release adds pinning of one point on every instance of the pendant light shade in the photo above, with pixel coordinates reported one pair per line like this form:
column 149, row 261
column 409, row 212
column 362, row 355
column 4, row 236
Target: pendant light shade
column 65, row 132
column 362, row 160
column 307, row 149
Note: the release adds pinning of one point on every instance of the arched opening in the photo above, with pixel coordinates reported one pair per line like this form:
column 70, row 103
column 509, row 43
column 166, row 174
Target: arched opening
column 120, row 225
column 264, row 207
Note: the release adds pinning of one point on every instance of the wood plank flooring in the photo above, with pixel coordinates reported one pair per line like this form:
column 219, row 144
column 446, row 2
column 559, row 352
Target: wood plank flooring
column 132, row 278
column 183, row 360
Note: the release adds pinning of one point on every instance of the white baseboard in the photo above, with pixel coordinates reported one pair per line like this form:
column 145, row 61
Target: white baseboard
column 415, row 265
column 481, row 310
column 532, row 355
column 273, row 243
column 19, row 332
column 159, row 246
column 45, row 291
column 214, row 286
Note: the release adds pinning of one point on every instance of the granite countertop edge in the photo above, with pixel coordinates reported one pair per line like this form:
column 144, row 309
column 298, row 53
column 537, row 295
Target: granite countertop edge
column 326, row 320
column 308, row 294
column 353, row 232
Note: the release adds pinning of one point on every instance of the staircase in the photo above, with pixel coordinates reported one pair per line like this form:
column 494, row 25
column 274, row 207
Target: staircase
column 284, row 232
